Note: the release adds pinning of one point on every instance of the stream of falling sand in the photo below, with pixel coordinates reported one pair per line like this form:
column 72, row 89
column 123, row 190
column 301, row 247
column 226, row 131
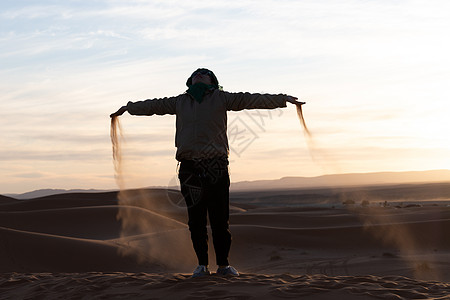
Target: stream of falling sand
column 302, row 121
column 116, row 137
column 148, row 226
column 318, row 156
column 398, row 235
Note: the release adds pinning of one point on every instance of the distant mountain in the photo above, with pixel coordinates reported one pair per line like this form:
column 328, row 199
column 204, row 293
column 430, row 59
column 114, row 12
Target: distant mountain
column 332, row 180
column 351, row 179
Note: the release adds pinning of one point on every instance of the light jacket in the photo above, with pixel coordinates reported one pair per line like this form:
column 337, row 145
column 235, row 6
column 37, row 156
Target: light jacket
column 201, row 128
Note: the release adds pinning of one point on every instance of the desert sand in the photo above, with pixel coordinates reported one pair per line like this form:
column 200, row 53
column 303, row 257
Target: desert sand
column 298, row 244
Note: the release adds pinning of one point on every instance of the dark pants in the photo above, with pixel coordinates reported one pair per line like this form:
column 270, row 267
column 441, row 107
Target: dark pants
column 205, row 186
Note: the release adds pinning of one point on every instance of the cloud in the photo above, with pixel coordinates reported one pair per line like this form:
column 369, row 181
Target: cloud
column 34, row 12
column 30, row 175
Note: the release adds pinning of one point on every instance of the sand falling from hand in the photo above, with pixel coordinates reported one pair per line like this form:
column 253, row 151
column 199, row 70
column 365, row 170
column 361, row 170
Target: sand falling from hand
column 153, row 230
column 302, row 121
column 318, row 155
column 116, row 138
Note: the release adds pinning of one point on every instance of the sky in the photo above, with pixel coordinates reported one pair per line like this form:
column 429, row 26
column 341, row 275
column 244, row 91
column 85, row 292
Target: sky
column 374, row 76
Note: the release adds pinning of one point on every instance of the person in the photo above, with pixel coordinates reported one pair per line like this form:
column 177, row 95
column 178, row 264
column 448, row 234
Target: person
column 202, row 150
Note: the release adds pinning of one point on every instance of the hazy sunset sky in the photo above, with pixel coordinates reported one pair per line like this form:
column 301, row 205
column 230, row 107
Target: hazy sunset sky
column 375, row 76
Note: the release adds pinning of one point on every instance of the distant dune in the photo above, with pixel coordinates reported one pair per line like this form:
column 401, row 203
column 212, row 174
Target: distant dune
column 6, row 199
column 48, row 192
column 335, row 180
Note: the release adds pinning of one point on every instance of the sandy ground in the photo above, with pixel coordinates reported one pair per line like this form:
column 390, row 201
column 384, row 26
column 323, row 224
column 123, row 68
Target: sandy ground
column 137, row 246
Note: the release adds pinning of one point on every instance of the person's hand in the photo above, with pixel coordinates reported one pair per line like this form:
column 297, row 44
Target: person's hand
column 119, row 112
column 294, row 100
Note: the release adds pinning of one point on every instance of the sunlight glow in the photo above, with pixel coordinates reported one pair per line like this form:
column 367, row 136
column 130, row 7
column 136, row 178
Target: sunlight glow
column 377, row 92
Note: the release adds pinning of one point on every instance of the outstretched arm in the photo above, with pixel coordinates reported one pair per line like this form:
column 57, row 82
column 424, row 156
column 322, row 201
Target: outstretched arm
column 149, row 107
column 240, row 101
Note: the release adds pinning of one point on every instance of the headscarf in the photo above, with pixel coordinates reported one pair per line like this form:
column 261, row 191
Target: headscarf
column 198, row 90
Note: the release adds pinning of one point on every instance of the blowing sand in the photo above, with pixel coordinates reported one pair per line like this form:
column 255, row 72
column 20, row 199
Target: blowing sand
column 77, row 246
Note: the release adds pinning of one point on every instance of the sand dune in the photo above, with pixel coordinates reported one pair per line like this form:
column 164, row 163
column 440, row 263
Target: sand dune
column 24, row 251
column 93, row 244
column 97, row 285
column 61, row 201
column 5, row 200
column 95, row 222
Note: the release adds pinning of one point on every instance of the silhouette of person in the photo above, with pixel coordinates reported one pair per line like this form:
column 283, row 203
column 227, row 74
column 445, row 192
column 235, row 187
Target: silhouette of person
column 202, row 150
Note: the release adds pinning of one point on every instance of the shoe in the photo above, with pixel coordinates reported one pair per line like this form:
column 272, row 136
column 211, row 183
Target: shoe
column 201, row 270
column 227, row 271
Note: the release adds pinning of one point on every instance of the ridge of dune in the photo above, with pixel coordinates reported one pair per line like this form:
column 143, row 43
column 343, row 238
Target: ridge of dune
column 23, row 251
column 78, row 195
column 55, row 203
column 7, row 200
column 93, row 222
column 66, row 200
column 49, row 192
